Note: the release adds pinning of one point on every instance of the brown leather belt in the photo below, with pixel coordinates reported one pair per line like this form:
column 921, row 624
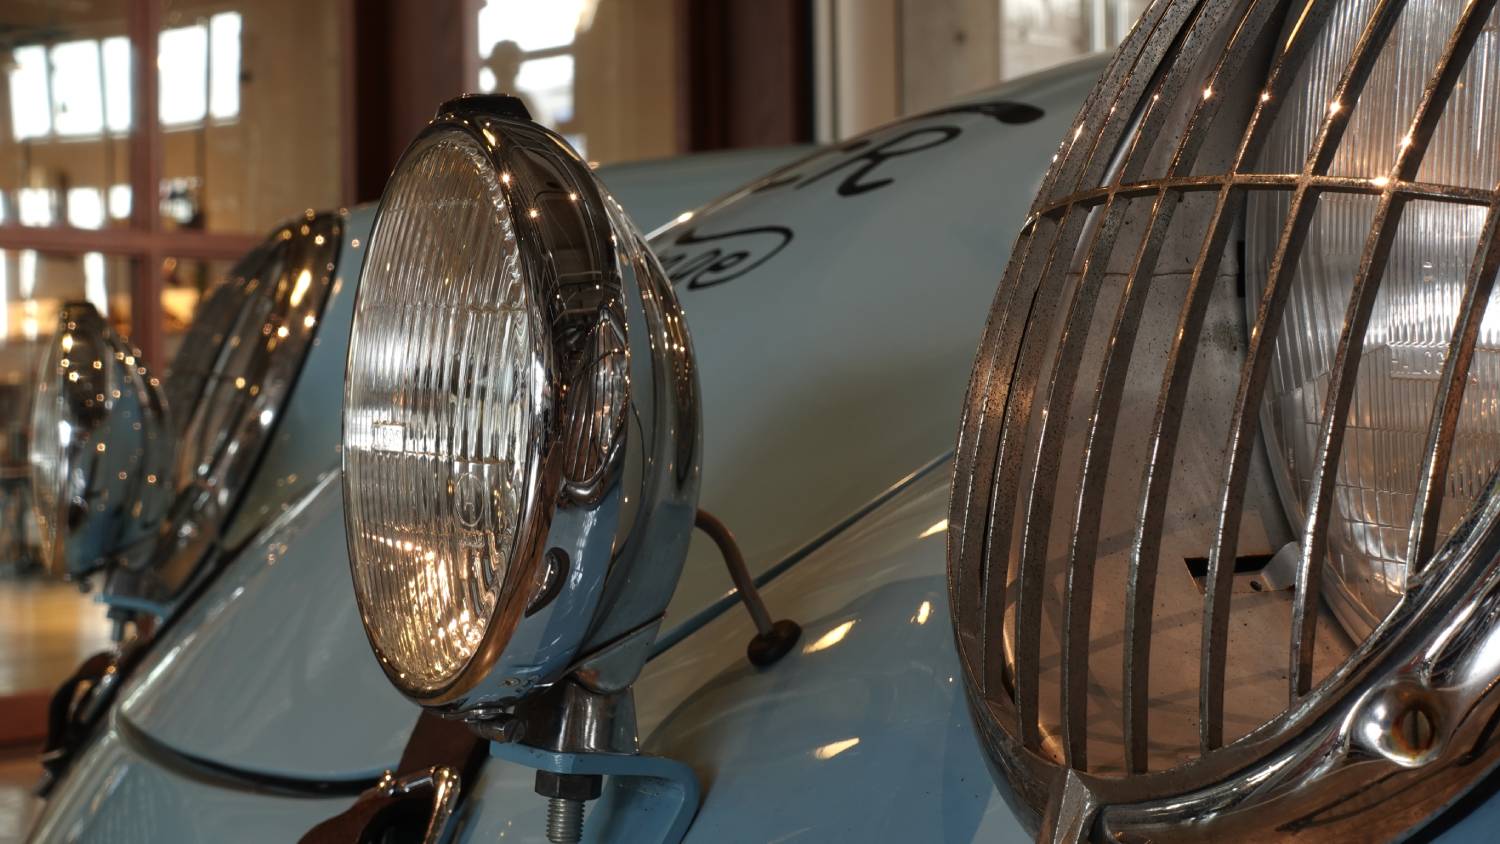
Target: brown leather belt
column 415, row 802
column 77, row 706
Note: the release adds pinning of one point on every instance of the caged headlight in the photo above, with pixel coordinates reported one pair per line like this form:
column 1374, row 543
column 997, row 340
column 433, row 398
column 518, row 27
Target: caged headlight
column 1250, row 313
column 520, row 417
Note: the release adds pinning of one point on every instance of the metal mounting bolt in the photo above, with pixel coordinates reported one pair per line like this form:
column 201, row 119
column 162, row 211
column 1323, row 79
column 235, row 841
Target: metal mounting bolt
column 565, row 795
column 564, row 820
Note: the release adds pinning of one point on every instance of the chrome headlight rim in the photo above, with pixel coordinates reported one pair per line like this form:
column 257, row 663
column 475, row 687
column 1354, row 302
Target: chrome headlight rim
column 85, row 347
column 290, row 276
column 585, row 521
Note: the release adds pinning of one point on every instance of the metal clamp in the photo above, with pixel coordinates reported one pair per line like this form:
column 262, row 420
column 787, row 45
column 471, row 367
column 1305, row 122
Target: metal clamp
column 381, row 809
column 441, row 780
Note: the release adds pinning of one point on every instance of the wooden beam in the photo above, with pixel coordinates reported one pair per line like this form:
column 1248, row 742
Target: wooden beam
column 748, row 73
column 23, row 718
column 145, row 178
column 144, row 245
column 409, row 56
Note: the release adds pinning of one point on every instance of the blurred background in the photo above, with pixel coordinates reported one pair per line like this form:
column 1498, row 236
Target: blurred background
column 147, row 144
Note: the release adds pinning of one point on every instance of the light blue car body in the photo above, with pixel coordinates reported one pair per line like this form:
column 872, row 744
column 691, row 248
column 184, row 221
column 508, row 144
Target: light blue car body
column 835, row 309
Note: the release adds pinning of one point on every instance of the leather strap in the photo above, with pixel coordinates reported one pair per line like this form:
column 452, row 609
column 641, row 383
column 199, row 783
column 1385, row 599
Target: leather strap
column 415, row 804
column 77, row 705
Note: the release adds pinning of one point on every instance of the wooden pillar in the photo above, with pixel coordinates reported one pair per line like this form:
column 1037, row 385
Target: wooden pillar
column 145, row 178
column 409, row 56
column 748, row 73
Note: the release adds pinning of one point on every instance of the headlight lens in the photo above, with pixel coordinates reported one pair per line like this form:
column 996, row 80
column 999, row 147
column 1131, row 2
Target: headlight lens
column 1414, row 313
column 444, row 395
column 520, row 418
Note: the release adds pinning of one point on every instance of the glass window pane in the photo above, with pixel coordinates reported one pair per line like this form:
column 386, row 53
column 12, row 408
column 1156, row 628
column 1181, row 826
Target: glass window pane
column 117, row 92
column 256, row 130
column 603, row 73
column 529, row 25
column 547, row 87
column 224, row 69
column 1038, row 34
column 30, row 104
column 182, row 67
column 68, row 69
column 86, row 208
column 77, row 89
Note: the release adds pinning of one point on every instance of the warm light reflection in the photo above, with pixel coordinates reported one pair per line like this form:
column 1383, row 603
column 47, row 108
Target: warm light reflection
column 831, row 638
column 834, row 748
column 299, row 290
column 924, row 612
column 934, row 530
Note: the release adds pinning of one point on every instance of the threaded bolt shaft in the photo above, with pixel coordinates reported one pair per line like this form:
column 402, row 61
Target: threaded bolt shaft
column 564, row 821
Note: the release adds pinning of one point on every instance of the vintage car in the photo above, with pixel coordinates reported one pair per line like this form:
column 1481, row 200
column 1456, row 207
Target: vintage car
column 1206, row 550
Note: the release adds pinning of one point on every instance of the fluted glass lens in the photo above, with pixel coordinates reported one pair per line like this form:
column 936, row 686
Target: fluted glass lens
column 1418, row 301
column 441, row 409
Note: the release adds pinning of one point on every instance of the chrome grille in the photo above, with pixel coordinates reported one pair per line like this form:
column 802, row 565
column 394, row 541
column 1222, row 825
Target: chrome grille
column 1111, row 346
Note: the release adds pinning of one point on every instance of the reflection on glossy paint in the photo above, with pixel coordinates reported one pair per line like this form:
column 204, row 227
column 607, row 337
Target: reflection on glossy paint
column 923, row 613
column 304, row 280
column 834, row 748
column 936, row 529
column 831, row 638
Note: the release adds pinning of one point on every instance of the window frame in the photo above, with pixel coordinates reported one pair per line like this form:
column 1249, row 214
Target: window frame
column 145, row 240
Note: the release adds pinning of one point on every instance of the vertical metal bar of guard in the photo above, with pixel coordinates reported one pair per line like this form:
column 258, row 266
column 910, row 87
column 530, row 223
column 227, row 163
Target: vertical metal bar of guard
column 1345, row 370
column 1177, row 373
column 1198, row 36
column 1443, row 427
column 967, row 574
column 992, row 624
column 1243, row 429
column 1109, row 390
column 1022, row 389
column 975, row 583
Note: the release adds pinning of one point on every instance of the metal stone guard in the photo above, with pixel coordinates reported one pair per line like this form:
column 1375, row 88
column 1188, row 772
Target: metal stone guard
column 1388, row 741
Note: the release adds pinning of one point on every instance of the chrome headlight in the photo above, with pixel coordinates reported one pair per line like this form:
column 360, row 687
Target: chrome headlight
column 229, row 380
column 225, row 390
column 520, row 417
column 100, row 452
column 1243, row 341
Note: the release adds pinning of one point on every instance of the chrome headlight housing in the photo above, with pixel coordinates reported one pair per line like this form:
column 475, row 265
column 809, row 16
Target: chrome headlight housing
column 229, row 380
column 101, row 450
column 520, row 417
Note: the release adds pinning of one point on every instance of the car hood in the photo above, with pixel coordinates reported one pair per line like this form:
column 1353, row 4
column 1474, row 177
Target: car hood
column 834, row 305
column 869, row 703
